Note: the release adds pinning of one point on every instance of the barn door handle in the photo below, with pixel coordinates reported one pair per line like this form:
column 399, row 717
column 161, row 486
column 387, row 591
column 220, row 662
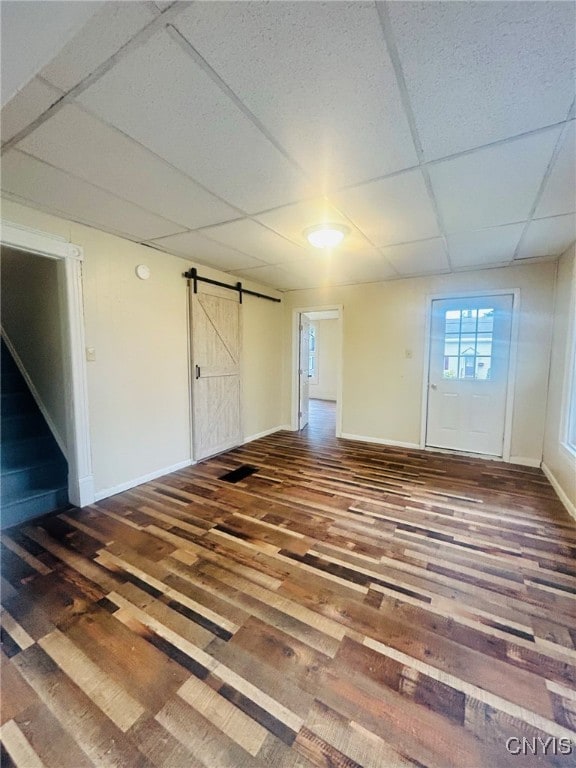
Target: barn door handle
column 197, row 371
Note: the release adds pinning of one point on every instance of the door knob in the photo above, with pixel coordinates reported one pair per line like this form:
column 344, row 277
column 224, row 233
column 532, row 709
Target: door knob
column 433, row 386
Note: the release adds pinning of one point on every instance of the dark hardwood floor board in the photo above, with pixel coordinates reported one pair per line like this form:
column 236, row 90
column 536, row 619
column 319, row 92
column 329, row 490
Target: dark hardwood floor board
column 94, row 733
column 348, row 604
column 263, row 675
column 54, row 746
column 142, row 670
column 21, row 695
column 203, row 739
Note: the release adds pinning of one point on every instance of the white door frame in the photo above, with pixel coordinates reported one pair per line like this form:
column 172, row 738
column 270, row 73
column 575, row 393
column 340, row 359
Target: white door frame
column 295, row 362
column 511, row 382
column 80, row 477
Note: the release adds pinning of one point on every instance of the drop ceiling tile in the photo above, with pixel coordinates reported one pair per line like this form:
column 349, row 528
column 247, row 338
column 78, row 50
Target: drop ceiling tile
column 495, row 185
column 548, row 237
column 113, row 25
column 26, row 106
column 393, row 210
column 484, row 247
column 40, row 184
column 275, row 277
column 257, row 241
column 319, row 78
column 560, row 191
column 158, row 95
column 425, row 257
column 369, row 267
column 324, row 269
column 83, row 146
column 191, row 245
column 479, row 72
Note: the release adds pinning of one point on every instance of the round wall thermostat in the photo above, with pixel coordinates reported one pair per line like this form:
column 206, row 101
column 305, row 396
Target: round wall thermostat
column 143, row 271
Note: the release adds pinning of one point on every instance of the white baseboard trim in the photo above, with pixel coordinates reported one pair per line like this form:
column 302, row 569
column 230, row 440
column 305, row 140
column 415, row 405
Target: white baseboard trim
column 106, row 492
column 265, row 433
column 38, row 400
column 81, row 493
column 570, row 507
column 378, row 441
column 525, row 461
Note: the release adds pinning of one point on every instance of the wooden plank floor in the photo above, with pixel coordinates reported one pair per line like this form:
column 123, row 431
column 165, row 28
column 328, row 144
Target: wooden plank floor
column 346, row 605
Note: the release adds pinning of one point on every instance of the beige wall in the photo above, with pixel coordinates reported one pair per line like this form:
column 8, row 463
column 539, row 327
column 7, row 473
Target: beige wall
column 31, row 318
column 138, row 386
column 383, row 322
column 327, row 360
column 559, row 462
column 262, row 324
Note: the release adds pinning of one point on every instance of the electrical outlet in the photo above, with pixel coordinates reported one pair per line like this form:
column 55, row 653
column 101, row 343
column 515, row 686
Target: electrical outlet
column 90, row 354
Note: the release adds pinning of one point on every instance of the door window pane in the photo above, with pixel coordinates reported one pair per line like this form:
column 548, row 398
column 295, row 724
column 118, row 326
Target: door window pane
column 468, row 343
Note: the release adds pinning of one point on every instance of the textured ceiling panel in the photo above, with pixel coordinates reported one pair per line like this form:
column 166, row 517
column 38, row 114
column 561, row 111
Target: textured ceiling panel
column 277, row 277
column 485, row 247
column 83, row 146
column 107, row 31
column 51, row 188
column 160, row 96
column 193, row 246
column 368, row 267
column 548, row 237
column 392, row 210
column 317, row 75
column 254, row 239
column 478, row 72
column 418, row 258
column 26, row 106
column 560, row 192
column 496, row 185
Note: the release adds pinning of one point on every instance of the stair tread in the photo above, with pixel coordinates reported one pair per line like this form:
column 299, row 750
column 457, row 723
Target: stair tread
column 37, row 493
column 34, row 472
column 56, row 463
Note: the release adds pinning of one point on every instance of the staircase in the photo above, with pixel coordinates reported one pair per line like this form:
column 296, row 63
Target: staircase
column 34, row 472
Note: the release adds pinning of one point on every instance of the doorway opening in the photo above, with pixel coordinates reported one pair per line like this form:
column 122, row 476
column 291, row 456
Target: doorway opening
column 468, row 391
column 76, row 436
column 317, row 371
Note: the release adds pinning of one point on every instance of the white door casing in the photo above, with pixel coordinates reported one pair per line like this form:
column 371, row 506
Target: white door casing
column 470, row 340
column 80, row 477
column 215, row 336
column 304, row 372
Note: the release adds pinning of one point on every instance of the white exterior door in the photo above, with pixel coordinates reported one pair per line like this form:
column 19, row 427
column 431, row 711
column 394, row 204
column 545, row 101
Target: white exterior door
column 304, row 371
column 215, row 374
column 468, row 373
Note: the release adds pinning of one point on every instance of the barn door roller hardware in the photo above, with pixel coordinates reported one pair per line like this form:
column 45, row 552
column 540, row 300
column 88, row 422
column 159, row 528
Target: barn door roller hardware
column 193, row 275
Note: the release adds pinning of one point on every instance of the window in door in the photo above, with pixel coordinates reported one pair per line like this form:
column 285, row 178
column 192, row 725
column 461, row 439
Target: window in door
column 468, row 343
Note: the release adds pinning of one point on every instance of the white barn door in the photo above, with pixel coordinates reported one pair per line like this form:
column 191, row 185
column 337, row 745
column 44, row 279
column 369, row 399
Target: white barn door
column 215, row 373
column 468, row 373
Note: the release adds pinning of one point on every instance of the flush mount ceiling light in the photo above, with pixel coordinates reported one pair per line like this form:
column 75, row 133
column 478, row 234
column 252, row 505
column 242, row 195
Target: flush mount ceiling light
column 326, row 235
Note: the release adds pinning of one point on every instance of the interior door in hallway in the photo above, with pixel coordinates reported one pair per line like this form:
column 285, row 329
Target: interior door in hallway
column 468, row 373
column 304, row 371
column 215, row 373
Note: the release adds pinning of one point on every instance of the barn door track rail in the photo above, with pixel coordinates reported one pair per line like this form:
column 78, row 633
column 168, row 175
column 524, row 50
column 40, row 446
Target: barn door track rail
column 193, row 275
